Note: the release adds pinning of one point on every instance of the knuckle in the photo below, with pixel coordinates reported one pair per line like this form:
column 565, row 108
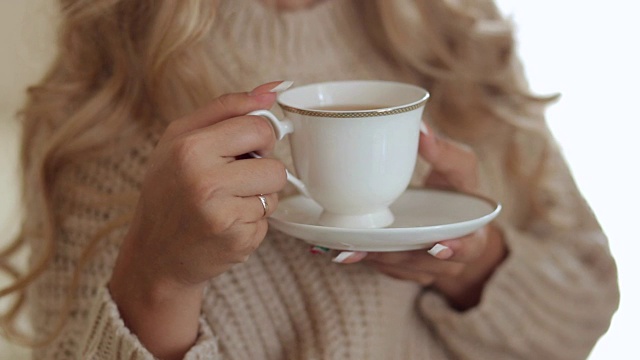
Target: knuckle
column 249, row 246
column 239, row 257
column 203, row 189
column 261, row 128
column 199, row 191
column 173, row 128
column 260, row 231
column 219, row 223
column 224, row 102
column 246, row 243
column 279, row 171
column 184, row 149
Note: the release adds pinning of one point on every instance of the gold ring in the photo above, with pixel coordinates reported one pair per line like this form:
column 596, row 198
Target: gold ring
column 265, row 205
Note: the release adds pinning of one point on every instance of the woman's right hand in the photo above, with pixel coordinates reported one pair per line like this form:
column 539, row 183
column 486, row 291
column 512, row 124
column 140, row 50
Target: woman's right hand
column 198, row 215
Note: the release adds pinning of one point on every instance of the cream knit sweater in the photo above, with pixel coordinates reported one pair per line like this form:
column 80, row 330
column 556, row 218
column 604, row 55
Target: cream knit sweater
column 551, row 299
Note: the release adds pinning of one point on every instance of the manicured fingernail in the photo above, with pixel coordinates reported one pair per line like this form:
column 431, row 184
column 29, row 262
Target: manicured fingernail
column 282, row 86
column 440, row 251
column 423, row 128
column 343, row 256
column 271, row 88
column 319, row 250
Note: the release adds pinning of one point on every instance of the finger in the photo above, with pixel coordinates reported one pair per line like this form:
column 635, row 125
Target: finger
column 418, row 259
column 223, row 214
column 394, row 257
column 254, row 210
column 240, row 178
column 457, row 163
column 244, row 240
column 422, row 278
column 229, row 139
column 467, row 248
column 415, row 260
column 227, row 106
column 438, row 180
column 252, row 176
column 250, row 208
column 238, row 136
column 422, row 262
column 220, row 144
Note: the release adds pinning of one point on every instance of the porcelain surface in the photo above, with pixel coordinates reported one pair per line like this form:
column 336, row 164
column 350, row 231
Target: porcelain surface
column 422, row 218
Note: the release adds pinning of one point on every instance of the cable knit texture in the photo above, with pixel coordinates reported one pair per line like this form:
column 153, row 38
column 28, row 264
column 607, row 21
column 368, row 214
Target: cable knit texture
column 551, row 299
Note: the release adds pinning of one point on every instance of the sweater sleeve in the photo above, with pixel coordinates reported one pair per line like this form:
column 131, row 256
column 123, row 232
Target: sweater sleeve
column 69, row 303
column 553, row 296
column 109, row 338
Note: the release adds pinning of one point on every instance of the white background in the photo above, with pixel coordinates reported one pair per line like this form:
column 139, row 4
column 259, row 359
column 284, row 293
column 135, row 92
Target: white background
column 587, row 50
column 590, row 52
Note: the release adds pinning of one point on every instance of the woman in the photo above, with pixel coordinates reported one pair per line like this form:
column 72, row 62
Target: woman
column 148, row 238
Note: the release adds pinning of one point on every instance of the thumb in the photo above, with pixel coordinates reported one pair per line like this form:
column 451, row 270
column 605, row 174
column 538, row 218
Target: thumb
column 452, row 162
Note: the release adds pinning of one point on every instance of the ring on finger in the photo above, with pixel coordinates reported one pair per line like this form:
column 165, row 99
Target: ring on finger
column 264, row 203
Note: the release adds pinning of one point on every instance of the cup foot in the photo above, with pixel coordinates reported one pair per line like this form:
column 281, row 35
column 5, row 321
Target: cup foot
column 378, row 219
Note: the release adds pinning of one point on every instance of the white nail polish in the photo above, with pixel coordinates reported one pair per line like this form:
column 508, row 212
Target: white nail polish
column 437, row 249
column 343, row 256
column 423, row 129
column 282, row 86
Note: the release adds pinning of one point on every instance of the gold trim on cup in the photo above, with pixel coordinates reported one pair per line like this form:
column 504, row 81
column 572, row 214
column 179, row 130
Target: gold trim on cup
column 353, row 114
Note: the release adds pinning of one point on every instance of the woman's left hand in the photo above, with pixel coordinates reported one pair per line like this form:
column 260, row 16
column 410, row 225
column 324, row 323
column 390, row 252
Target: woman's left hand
column 456, row 267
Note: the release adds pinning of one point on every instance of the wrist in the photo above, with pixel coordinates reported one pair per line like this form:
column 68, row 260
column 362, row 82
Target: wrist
column 148, row 293
column 134, row 279
column 163, row 314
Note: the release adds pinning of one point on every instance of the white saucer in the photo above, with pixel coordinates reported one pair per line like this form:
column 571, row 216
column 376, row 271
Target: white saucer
column 422, row 218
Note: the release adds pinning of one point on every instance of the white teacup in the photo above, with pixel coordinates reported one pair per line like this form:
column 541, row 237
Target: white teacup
column 354, row 146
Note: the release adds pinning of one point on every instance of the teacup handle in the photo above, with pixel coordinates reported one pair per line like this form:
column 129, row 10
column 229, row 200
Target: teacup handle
column 282, row 128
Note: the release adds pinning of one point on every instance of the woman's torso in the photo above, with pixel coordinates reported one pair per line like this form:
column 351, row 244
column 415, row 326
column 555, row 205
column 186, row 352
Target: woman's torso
column 284, row 301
